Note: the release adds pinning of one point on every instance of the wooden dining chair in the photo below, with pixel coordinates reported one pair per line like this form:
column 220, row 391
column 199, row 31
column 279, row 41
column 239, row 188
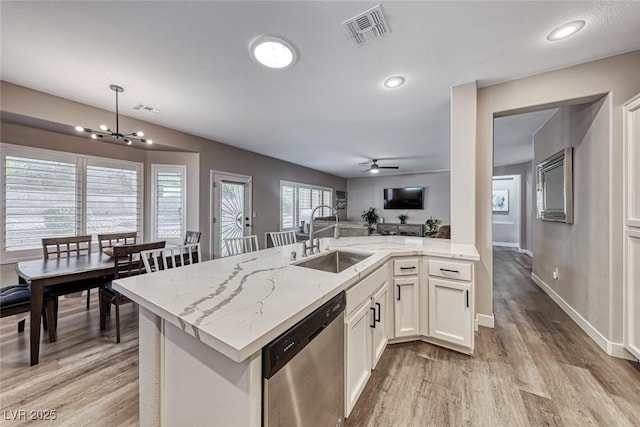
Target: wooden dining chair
column 127, row 262
column 16, row 299
column 444, row 232
column 281, row 238
column 175, row 256
column 241, row 245
column 192, row 237
column 109, row 240
column 66, row 247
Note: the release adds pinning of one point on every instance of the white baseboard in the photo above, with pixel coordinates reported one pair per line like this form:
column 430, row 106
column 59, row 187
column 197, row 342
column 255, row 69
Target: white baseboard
column 526, row 252
column 507, row 245
column 609, row 347
column 485, row 320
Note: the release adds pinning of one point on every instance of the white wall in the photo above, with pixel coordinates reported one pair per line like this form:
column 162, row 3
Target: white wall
column 506, row 225
column 616, row 76
column 363, row 193
column 527, row 205
column 578, row 250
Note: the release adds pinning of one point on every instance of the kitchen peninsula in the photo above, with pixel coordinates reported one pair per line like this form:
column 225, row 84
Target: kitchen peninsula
column 202, row 327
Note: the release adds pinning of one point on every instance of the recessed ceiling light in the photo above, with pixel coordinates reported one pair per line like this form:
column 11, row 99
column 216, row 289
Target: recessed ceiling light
column 565, row 31
column 273, row 52
column 395, row 81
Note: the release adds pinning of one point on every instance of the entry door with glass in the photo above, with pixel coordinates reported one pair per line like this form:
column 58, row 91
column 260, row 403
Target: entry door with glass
column 231, row 210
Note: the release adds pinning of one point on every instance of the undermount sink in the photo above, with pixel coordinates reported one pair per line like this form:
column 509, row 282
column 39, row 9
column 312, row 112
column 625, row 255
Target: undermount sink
column 334, row 262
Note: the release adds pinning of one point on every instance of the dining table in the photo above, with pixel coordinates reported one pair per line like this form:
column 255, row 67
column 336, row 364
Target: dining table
column 58, row 271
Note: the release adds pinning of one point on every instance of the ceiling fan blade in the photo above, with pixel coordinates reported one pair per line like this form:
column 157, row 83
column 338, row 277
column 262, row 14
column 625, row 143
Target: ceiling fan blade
column 388, row 167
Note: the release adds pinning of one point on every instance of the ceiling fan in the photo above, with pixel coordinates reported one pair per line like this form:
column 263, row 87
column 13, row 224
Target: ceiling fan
column 374, row 168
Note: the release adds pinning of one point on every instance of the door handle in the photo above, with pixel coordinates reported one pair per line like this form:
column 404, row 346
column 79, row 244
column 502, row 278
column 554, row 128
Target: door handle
column 398, row 292
column 379, row 310
column 467, row 298
column 373, row 318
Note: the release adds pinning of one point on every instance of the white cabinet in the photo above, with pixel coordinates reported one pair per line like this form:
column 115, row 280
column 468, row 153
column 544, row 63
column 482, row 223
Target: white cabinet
column 406, row 288
column 450, row 311
column 369, row 313
column 451, row 303
column 406, row 306
column 380, row 337
column 358, row 354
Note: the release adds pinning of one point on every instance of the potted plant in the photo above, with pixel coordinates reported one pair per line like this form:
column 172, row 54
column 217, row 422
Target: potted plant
column 370, row 217
column 403, row 218
column 432, row 226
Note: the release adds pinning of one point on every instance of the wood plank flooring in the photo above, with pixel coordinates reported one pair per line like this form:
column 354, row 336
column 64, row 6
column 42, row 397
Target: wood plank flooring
column 535, row 368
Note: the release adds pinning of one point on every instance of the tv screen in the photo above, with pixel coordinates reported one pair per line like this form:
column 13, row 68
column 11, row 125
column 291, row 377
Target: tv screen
column 404, row 198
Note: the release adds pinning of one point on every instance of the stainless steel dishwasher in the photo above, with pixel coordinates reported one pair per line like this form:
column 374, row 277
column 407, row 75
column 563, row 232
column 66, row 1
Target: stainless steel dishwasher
column 303, row 371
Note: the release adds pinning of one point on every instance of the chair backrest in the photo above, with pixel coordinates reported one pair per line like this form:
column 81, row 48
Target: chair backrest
column 63, row 247
column 112, row 239
column 444, row 232
column 281, row 238
column 175, row 256
column 192, row 237
column 127, row 261
column 241, row 245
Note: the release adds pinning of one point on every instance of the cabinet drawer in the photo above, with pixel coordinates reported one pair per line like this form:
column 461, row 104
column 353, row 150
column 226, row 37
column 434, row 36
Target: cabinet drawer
column 450, row 269
column 405, row 267
column 365, row 288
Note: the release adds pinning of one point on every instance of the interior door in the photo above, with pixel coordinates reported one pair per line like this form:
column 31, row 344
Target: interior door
column 231, row 214
column 631, row 263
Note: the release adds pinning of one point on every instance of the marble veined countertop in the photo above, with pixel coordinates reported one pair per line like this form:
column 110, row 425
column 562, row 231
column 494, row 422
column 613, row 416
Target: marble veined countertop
column 238, row 304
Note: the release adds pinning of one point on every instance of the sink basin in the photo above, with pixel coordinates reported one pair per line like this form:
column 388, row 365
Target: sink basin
column 334, row 261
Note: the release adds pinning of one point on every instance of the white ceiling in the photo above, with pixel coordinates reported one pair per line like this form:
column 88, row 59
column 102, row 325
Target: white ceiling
column 513, row 136
column 330, row 111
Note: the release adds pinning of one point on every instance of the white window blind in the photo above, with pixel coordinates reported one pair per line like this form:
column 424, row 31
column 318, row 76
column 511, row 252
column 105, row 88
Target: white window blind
column 297, row 202
column 169, row 201
column 287, row 206
column 46, row 193
column 113, row 198
column 41, row 200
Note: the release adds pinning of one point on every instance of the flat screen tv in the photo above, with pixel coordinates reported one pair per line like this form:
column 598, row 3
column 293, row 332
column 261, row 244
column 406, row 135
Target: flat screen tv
column 404, row 198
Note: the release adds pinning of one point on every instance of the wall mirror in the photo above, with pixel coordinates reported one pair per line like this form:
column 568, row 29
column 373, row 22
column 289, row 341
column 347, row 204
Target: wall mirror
column 554, row 187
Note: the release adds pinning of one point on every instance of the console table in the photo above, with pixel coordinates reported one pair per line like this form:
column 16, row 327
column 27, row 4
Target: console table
column 390, row 228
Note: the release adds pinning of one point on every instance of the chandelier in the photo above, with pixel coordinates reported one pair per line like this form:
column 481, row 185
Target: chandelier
column 106, row 132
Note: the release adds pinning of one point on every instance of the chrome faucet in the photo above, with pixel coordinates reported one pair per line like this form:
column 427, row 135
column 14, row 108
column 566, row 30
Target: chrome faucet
column 336, row 233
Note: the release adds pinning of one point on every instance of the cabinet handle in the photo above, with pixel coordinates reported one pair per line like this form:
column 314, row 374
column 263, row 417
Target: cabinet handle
column 449, row 271
column 373, row 318
column 379, row 310
column 398, row 292
column 467, row 298
column 408, row 268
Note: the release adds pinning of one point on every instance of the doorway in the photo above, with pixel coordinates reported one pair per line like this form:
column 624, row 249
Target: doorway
column 231, row 214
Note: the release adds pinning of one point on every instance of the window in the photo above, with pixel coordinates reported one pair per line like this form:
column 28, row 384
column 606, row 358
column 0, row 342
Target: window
column 297, row 201
column 48, row 194
column 169, row 202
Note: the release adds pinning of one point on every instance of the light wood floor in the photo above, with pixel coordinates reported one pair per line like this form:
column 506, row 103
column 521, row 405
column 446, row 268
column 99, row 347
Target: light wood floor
column 535, row 368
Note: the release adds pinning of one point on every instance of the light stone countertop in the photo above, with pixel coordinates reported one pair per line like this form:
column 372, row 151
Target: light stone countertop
column 238, row 304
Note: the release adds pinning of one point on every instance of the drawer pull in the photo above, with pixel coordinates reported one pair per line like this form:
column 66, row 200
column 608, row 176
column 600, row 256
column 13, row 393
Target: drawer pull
column 408, row 268
column 449, row 271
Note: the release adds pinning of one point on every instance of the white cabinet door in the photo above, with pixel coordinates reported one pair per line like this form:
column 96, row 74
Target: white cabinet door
column 358, row 354
column 381, row 308
column 406, row 306
column 450, row 311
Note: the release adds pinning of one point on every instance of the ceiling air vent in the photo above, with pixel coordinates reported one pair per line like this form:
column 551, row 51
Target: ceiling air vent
column 146, row 109
column 366, row 26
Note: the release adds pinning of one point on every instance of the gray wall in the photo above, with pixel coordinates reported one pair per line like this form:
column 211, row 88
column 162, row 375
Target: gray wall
column 527, row 213
column 580, row 250
column 266, row 171
column 368, row 192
